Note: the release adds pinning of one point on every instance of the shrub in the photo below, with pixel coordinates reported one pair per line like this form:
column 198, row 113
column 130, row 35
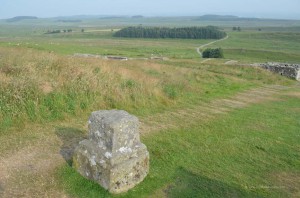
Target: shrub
column 213, row 53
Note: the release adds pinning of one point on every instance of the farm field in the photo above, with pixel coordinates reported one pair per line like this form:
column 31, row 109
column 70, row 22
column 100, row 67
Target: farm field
column 213, row 127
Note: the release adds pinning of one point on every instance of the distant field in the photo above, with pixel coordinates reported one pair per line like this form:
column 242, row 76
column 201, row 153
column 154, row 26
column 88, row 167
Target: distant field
column 262, row 46
column 277, row 40
column 245, row 46
column 109, row 46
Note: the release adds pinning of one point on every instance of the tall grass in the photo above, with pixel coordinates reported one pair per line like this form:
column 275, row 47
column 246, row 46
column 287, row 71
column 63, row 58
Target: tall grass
column 39, row 87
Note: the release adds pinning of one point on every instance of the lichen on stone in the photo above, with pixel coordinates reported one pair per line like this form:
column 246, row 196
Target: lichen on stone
column 113, row 155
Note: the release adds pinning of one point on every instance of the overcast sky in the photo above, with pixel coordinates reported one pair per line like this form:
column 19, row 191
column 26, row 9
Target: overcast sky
column 52, row 8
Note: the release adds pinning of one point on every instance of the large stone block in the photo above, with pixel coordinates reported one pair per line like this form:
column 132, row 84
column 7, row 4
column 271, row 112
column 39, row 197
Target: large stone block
column 113, row 155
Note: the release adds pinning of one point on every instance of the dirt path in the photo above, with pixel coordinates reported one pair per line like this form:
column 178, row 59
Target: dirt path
column 30, row 171
column 230, row 62
column 198, row 49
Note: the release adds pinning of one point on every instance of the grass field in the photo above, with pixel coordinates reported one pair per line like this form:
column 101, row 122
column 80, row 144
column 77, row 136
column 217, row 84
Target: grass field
column 277, row 40
column 262, row 46
column 247, row 47
column 212, row 129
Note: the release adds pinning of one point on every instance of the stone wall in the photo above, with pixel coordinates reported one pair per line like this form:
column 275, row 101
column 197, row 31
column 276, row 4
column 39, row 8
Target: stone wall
column 284, row 69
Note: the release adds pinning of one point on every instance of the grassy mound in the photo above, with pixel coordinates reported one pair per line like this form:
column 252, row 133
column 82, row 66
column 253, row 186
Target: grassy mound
column 39, row 86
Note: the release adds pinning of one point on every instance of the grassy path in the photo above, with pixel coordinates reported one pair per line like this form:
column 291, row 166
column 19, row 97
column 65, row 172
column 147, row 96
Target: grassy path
column 198, row 49
column 207, row 111
column 29, row 171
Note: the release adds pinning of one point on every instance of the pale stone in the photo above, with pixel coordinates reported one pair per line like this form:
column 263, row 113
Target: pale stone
column 113, row 155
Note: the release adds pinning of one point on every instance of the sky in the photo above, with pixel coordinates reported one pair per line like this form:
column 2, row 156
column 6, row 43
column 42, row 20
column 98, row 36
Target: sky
column 286, row 9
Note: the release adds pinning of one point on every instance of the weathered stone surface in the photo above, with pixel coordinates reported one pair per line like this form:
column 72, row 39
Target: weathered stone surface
column 112, row 155
column 284, row 69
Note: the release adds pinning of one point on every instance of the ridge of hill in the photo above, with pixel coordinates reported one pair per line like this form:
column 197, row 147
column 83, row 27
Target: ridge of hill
column 20, row 18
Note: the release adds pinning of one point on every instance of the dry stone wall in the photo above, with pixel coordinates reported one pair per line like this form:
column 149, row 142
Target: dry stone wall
column 284, row 69
column 113, row 155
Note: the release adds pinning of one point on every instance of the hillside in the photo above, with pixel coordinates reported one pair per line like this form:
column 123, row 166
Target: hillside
column 213, row 127
column 21, row 18
column 230, row 18
column 210, row 17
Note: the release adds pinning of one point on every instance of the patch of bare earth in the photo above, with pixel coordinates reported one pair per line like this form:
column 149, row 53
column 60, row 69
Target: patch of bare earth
column 294, row 94
column 46, row 87
column 30, row 171
column 230, row 62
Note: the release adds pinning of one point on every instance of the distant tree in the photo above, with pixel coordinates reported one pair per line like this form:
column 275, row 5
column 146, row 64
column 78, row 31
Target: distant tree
column 213, row 53
column 206, row 53
column 259, row 29
column 53, row 32
column 236, row 29
column 82, row 30
column 69, row 30
column 65, row 31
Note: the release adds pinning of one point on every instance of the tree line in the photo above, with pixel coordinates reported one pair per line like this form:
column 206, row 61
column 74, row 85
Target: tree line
column 208, row 32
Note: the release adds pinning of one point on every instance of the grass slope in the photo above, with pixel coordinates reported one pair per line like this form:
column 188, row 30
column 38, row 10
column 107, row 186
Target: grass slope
column 255, row 46
column 46, row 97
column 237, row 154
column 252, row 152
column 40, row 87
